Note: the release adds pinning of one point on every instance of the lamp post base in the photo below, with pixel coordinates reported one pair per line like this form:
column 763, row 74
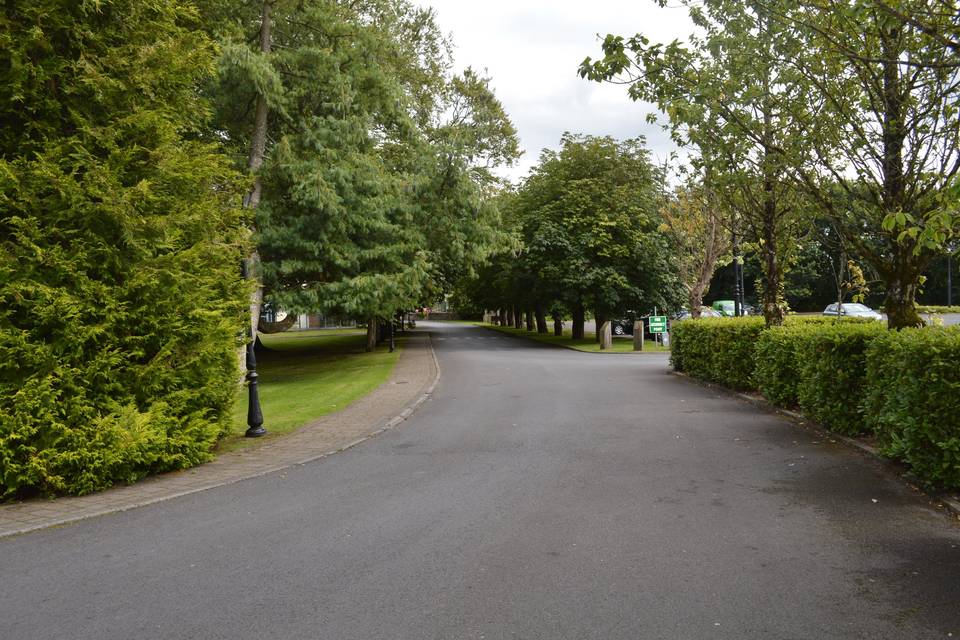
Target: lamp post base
column 255, row 432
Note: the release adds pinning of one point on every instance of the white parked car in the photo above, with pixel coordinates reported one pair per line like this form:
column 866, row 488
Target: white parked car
column 852, row 310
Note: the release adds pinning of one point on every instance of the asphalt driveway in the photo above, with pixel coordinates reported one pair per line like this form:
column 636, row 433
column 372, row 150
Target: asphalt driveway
column 541, row 493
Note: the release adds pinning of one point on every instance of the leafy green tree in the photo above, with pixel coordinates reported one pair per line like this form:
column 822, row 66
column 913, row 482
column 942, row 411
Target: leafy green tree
column 456, row 190
column 886, row 139
column 121, row 303
column 589, row 227
column 729, row 98
column 376, row 184
column 697, row 224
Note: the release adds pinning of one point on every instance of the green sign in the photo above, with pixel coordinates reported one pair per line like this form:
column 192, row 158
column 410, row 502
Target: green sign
column 657, row 324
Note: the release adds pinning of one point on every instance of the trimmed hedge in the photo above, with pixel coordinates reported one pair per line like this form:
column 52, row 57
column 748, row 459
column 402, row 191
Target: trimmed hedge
column 722, row 350
column 913, row 401
column 833, row 372
column 851, row 376
column 716, row 349
column 778, row 359
column 776, row 371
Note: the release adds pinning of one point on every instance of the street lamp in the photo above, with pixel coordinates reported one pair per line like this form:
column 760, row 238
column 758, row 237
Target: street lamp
column 737, row 291
column 254, row 414
column 950, row 279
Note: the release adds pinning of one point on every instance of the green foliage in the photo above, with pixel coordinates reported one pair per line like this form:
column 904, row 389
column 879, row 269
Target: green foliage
column 779, row 358
column 833, row 374
column 776, row 373
column 913, row 400
column 586, row 229
column 727, row 94
column 120, row 298
column 377, row 182
column 716, row 349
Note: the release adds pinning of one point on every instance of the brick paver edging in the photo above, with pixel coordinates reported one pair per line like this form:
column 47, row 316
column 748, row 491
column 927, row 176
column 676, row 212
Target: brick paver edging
column 412, row 382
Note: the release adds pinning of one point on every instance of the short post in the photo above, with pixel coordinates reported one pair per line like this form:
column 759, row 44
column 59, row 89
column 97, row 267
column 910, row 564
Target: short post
column 638, row 335
column 606, row 339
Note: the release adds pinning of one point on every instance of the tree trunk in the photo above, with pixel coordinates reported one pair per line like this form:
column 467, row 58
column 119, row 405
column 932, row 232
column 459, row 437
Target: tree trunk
column 772, row 280
column 541, row 319
column 599, row 318
column 517, row 317
column 904, row 277
column 900, row 304
column 509, row 317
column 772, row 295
column 578, row 320
column 258, row 144
column 557, row 325
column 529, row 319
column 695, row 301
column 371, row 333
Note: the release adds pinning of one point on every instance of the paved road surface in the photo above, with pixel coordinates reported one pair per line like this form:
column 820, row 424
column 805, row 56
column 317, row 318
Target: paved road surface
column 542, row 493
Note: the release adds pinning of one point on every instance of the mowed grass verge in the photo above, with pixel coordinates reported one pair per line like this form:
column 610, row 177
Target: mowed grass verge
column 589, row 343
column 305, row 375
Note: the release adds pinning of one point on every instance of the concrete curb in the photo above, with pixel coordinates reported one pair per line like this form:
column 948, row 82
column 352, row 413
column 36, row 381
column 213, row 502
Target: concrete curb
column 404, row 414
column 950, row 503
column 565, row 346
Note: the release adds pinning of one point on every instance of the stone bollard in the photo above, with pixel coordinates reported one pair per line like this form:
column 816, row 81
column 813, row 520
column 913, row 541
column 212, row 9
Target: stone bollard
column 606, row 339
column 638, row 335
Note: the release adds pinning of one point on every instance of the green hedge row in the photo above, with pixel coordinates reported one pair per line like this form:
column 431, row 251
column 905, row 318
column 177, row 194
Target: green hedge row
column 716, row 349
column 913, row 401
column 851, row 376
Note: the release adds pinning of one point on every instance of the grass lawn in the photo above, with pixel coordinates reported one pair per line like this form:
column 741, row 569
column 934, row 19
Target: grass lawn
column 307, row 374
column 620, row 345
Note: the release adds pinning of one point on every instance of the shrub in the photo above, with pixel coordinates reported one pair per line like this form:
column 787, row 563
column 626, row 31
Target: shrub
column 832, row 366
column 913, row 403
column 120, row 298
column 777, row 360
column 716, row 349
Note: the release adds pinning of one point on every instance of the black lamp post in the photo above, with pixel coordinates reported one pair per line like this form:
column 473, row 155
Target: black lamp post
column 737, row 292
column 949, row 279
column 393, row 322
column 254, row 414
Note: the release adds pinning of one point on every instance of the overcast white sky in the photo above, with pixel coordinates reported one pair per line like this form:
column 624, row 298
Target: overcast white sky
column 532, row 48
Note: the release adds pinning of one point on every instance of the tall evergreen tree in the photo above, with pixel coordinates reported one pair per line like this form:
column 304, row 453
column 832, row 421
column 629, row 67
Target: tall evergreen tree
column 373, row 190
column 120, row 297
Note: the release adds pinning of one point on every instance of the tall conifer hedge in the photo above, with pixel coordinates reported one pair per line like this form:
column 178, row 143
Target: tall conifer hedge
column 120, row 302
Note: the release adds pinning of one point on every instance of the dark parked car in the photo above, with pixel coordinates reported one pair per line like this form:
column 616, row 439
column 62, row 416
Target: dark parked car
column 622, row 327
